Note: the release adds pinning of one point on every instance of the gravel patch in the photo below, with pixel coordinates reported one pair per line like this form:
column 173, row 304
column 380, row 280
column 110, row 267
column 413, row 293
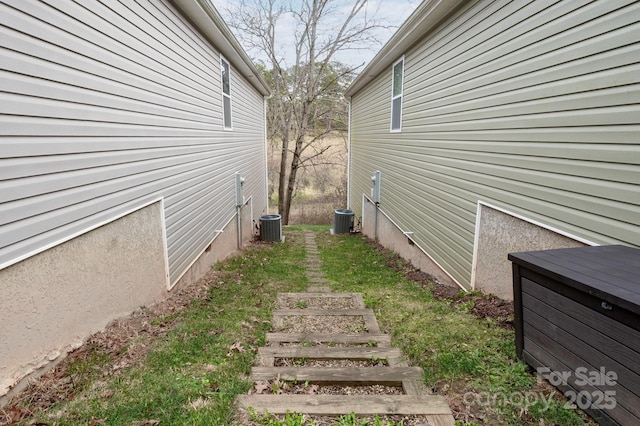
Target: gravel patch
column 324, row 344
column 343, row 363
column 320, row 303
column 281, row 387
column 323, row 324
column 331, row 421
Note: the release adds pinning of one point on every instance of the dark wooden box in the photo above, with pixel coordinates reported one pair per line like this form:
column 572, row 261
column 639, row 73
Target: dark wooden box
column 577, row 319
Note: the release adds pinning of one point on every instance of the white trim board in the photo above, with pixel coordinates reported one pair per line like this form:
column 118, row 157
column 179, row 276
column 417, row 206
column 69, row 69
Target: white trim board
column 97, row 225
column 476, row 235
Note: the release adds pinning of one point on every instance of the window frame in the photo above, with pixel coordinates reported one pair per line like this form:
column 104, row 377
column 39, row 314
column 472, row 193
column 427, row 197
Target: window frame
column 395, row 97
column 226, row 96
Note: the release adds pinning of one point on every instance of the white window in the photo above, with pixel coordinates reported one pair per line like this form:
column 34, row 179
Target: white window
column 226, row 94
column 396, row 95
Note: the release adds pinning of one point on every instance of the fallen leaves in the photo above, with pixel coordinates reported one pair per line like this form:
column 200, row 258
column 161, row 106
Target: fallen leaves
column 16, row 414
column 237, row 346
column 278, row 386
column 198, row 404
column 261, row 387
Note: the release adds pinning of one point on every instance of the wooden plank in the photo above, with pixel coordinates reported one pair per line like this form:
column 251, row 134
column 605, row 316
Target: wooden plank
column 313, row 266
column 390, row 376
column 337, row 405
column 319, row 289
column 277, row 322
column 340, row 338
column 441, row 420
column 264, row 361
column 414, row 387
column 370, row 322
column 358, row 301
column 397, row 362
column 325, row 352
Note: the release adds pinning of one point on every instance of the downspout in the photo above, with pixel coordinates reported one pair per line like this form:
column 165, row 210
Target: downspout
column 240, row 202
column 349, row 153
column 375, row 197
column 239, row 215
column 375, row 222
column 266, row 156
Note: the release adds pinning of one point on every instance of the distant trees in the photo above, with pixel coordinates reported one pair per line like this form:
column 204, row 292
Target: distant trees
column 307, row 102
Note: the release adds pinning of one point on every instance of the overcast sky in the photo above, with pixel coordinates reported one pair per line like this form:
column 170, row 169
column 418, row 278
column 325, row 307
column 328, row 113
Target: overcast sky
column 390, row 12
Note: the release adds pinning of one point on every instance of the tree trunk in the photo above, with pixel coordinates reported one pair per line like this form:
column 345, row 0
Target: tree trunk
column 293, row 172
column 300, row 89
column 283, row 204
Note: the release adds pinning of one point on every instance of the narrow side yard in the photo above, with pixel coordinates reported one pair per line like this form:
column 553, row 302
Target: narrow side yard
column 185, row 361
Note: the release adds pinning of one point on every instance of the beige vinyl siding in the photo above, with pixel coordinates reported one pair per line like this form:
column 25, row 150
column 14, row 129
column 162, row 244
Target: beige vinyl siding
column 530, row 106
column 107, row 105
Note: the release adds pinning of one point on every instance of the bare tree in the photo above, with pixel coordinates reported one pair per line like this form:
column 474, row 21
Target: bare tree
column 303, row 109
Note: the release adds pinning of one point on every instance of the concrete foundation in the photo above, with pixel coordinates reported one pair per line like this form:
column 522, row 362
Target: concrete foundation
column 225, row 244
column 500, row 233
column 51, row 302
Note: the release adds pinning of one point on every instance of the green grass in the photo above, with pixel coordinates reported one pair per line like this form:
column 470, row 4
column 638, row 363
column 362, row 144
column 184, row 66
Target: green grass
column 194, row 372
column 296, row 419
column 462, row 356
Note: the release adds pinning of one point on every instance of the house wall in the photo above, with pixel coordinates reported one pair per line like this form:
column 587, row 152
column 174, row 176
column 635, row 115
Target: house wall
column 106, row 107
column 53, row 300
column 379, row 226
column 529, row 107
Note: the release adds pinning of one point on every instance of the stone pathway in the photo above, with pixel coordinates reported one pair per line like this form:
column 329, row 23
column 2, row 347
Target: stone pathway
column 302, row 321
